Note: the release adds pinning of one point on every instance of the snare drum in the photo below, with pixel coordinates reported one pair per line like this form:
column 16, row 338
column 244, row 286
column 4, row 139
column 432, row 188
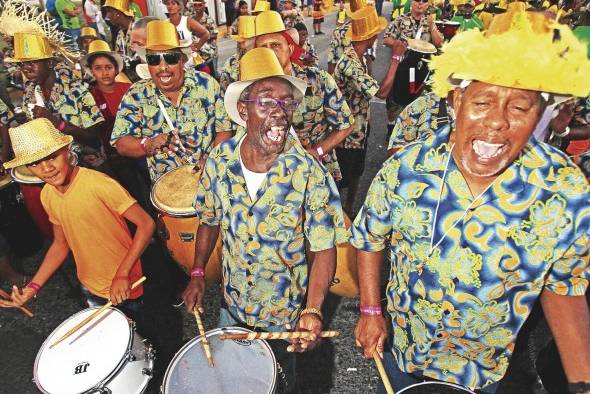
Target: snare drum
column 240, row 366
column 172, row 195
column 346, row 280
column 412, row 72
column 448, row 28
column 106, row 355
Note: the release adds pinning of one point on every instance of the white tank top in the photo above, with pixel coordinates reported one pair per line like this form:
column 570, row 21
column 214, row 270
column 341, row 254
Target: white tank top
column 186, row 36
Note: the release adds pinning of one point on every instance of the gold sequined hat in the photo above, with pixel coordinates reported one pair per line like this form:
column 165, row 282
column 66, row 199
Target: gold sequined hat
column 34, row 141
column 119, row 5
column 30, row 47
column 257, row 64
column 365, row 24
column 101, row 47
column 354, row 6
column 162, row 35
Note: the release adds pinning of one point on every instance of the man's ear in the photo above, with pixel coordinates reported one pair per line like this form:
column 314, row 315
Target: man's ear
column 457, row 97
column 291, row 49
column 243, row 111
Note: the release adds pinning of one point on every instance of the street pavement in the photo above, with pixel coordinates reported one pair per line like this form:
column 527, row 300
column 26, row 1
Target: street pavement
column 335, row 367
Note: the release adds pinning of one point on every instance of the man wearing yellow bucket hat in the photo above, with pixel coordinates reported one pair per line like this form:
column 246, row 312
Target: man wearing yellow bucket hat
column 285, row 198
column 119, row 14
column 177, row 116
column 87, row 35
column 358, row 87
column 465, row 15
column 245, row 38
column 323, row 120
column 484, row 221
column 339, row 41
column 53, row 92
column 88, row 211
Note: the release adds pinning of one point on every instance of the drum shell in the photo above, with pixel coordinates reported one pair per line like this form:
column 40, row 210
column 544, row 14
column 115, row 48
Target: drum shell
column 32, row 198
column 400, row 93
column 134, row 369
column 345, row 282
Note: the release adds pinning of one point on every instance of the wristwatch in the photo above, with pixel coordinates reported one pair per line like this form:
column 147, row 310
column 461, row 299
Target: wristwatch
column 399, row 58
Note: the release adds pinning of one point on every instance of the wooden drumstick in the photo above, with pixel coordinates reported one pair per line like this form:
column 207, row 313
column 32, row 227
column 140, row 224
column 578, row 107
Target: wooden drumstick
column 382, row 373
column 92, row 316
column 277, row 335
column 7, row 296
column 202, row 333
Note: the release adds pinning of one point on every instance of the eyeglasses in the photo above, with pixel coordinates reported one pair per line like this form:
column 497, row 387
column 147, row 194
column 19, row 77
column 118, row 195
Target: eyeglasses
column 171, row 58
column 267, row 104
column 421, row 1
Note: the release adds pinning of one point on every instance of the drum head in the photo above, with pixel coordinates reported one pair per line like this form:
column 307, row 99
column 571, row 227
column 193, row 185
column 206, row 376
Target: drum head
column 249, row 365
column 421, row 46
column 435, row 388
column 86, row 358
column 22, row 174
column 174, row 192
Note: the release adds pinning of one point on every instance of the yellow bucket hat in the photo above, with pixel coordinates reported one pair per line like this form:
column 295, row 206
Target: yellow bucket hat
column 161, row 35
column 88, row 31
column 30, row 47
column 268, row 22
column 365, row 23
column 101, row 47
column 246, row 28
column 257, row 64
column 526, row 56
column 354, row 6
column 119, row 5
column 261, row 6
column 35, row 140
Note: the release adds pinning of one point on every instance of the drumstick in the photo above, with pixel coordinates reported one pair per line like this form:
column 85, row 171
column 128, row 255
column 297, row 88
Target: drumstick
column 277, row 335
column 22, row 308
column 202, row 333
column 169, row 123
column 92, row 316
column 382, row 373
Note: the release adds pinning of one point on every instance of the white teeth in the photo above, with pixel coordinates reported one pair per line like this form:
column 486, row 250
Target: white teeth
column 165, row 79
column 487, row 150
column 276, row 133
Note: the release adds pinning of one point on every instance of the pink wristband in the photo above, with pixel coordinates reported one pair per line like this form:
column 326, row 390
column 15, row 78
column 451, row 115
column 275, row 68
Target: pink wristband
column 371, row 310
column 35, row 286
column 198, row 273
column 62, row 126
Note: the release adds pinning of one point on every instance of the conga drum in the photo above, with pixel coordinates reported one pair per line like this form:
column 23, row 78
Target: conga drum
column 412, row 72
column 346, row 280
column 173, row 195
column 30, row 187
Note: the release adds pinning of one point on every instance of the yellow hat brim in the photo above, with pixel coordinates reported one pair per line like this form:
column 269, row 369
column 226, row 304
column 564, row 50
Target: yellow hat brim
column 128, row 13
column 64, row 140
column 378, row 29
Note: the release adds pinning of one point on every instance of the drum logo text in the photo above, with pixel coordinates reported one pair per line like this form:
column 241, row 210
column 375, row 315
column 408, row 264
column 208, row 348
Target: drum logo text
column 81, row 368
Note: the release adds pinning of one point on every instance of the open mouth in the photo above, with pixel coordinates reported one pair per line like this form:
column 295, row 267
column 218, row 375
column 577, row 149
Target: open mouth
column 487, row 150
column 165, row 78
column 276, row 133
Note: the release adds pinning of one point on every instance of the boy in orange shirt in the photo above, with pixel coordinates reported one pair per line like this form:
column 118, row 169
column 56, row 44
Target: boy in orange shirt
column 87, row 210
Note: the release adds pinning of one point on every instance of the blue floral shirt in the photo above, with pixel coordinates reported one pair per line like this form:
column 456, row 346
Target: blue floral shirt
column 418, row 121
column 5, row 113
column 265, row 272
column 324, row 110
column 339, row 42
column 199, row 115
column 457, row 310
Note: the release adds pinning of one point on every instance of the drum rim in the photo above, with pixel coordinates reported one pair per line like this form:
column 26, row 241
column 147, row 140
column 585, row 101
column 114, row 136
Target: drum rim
column 231, row 329
column 111, row 374
column 436, row 383
column 158, row 206
column 452, row 23
column 37, row 180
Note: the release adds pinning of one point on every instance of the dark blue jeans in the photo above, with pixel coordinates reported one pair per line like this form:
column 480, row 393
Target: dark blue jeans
column 400, row 379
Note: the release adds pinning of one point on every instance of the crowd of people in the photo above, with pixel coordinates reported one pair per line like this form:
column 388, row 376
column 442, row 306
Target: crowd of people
column 483, row 205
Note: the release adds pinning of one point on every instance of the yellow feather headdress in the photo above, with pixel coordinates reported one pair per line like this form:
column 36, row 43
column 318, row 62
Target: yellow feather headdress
column 532, row 53
column 20, row 17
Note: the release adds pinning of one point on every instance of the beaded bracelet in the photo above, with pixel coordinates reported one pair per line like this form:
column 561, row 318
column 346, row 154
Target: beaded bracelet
column 35, row 286
column 370, row 310
column 198, row 273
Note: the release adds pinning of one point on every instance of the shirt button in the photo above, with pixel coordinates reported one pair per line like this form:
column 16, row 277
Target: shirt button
column 250, row 213
column 250, row 238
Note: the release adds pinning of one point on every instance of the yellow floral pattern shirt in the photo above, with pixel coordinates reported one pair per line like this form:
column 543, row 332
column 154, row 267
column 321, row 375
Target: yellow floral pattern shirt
column 265, row 272
column 5, row 113
column 339, row 42
column 456, row 311
column 323, row 110
column 199, row 115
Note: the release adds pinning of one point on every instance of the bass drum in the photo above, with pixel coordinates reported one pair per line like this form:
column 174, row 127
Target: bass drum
column 172, row 195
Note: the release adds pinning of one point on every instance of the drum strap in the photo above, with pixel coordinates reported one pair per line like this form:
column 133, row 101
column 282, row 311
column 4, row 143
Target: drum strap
column 442, row 114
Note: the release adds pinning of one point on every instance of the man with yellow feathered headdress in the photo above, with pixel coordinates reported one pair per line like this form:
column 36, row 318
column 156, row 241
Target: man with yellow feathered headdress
column 483, row 220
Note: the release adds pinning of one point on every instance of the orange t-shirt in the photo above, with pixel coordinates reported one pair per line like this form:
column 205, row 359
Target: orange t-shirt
column 90, row 214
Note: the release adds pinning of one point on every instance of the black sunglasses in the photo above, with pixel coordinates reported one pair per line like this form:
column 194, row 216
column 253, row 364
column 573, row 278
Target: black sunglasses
column 172, row 58
column 421, row 1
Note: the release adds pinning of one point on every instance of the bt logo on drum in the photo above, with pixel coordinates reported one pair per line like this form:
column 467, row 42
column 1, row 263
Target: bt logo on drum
column 81, row 368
